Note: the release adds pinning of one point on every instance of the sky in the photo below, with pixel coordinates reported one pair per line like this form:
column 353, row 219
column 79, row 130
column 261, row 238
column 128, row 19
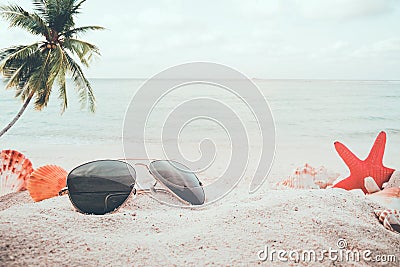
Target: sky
column 274, row 39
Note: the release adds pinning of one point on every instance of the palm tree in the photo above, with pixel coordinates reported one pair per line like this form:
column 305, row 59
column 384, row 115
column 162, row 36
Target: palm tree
column 33, row 69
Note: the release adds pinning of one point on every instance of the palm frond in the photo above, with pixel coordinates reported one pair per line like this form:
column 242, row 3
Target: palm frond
column 77, row 7
column 19, row 52
column 22, row 83
column 18, row 65
column 55, row 66
column 24, row 69
column 84, row 50
column 79, row 30
column 56, row 70
column 38, row 80
column 18, row 79
column 62, row 90
column 7, row 52
column 18, row 17
column 40, row 6
column 82, row 85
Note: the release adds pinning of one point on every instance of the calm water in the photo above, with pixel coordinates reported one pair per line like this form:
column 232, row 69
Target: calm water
column 308, row 114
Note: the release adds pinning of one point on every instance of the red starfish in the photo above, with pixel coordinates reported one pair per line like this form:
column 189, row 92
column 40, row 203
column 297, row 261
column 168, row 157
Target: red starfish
column 359, row 169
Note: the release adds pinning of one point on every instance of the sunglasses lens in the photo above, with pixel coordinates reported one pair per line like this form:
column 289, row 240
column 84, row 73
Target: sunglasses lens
column 179, row 179
column 100, row 187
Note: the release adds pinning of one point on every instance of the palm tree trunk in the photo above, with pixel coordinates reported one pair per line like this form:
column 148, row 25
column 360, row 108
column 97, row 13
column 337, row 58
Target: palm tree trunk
column 19, row 114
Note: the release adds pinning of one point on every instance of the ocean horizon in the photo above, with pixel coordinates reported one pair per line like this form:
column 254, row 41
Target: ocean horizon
column 309, row 116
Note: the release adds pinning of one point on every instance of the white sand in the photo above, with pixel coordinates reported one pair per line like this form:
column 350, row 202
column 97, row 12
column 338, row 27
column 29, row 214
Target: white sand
column 145, row 232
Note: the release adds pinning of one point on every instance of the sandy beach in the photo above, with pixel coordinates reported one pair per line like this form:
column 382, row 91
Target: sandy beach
column 145, row 232
column 230, row 232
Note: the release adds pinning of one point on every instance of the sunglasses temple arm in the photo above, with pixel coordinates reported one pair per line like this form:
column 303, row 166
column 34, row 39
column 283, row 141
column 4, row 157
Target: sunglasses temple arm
column 63, row 191
column 138, row 159
column 146, row 191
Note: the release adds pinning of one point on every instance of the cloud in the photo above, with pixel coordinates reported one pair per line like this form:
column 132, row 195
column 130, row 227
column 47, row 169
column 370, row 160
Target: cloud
column 257, row 9
column 388, row 49
column 344, row 9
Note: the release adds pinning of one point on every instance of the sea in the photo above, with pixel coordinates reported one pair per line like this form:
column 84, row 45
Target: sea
column 309, row 115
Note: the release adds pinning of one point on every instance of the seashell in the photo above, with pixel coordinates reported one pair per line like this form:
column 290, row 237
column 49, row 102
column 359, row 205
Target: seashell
column 388, row 197
column 308, row 177
column 45, row 182
column 394, row 180
column 15, row 170
column 390, row 219
column 370, row 185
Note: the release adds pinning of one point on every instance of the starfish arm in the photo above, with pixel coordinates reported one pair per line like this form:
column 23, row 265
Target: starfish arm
column 351, row 182
column 348, row 157
column 381, row 174
column 378, row 149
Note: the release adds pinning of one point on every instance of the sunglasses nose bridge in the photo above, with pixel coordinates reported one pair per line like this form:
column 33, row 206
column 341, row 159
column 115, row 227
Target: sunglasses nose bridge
column 142, row 164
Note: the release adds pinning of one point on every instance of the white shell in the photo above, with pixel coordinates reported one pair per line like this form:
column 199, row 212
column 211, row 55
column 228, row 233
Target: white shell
column 371, row 185
column 389, row 218
column 15, row 170
column 308, row 177
column 394, row 180
column 389, row 198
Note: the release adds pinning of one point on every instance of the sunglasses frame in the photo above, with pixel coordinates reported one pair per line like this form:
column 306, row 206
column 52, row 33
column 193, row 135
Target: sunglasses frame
column 135, row 191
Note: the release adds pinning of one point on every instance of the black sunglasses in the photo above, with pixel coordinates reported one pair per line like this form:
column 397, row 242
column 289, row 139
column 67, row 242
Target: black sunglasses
column 102, row 186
